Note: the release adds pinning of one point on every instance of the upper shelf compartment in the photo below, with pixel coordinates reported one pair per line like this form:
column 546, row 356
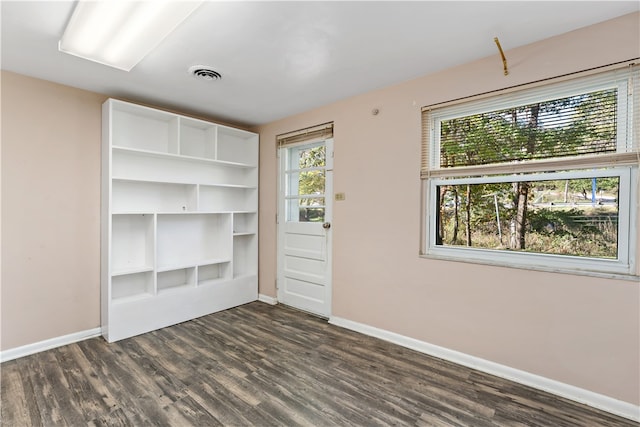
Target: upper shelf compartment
column 237, row 146
column 143, row 128
column 146, row 130
column 197, row 138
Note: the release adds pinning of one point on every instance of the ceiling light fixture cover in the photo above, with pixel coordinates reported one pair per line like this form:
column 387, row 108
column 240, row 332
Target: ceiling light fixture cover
column 203, row 72
column 120, row 33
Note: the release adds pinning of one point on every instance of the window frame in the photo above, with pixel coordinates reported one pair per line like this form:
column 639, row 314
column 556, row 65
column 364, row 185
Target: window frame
column 623, row 264
column 291, row 169
column 623, row 163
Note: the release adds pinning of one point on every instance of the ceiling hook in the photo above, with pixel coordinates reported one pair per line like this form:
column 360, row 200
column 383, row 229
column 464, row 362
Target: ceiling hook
column 504, row 60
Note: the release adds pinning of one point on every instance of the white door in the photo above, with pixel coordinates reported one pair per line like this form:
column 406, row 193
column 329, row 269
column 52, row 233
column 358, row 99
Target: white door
column 304, row 226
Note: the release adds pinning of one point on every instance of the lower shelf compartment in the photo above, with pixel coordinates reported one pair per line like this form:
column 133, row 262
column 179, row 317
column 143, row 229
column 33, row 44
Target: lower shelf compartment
column 183, row 277
column 137, row 316
column 245, row 255
column 212, row 273
column 127, row 286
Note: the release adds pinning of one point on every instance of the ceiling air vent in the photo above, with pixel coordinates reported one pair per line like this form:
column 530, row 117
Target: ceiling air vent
column 202, row 72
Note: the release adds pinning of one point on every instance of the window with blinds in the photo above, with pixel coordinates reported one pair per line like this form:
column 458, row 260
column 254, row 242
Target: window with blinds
column 570, row 126
column 544, row 177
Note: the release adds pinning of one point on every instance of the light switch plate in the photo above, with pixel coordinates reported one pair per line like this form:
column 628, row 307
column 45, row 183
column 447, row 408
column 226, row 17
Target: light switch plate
column 340, row 196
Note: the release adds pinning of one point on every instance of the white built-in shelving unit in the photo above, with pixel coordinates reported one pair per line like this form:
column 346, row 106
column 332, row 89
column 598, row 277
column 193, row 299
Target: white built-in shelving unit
column 179, row 218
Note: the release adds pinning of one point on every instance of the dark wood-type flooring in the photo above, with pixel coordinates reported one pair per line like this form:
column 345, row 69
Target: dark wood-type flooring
column 259, row 365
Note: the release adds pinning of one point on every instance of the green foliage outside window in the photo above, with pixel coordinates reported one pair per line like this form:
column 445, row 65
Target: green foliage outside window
column 570, row 217
column 311, row 183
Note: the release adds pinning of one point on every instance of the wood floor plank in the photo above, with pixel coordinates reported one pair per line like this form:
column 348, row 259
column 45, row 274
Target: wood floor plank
column 223, row 408
column 186, row 411
column 166, row 359
column 130, row 374
column 17, row 410
column 297, row 391
column 92, row 397
column 53, row 397
column 115, row 418
column 260, row 365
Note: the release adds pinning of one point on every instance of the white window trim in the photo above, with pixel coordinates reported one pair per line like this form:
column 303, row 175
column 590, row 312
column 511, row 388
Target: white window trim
column 624, row 164
column 289, row 162
column 623, row 265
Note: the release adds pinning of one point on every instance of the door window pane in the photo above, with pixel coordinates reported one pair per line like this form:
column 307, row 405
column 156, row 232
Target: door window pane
column 311, row 157
column 308, row 209
column 306, row 183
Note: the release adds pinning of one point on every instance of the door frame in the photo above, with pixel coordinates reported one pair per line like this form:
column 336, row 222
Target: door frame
column 281, row 220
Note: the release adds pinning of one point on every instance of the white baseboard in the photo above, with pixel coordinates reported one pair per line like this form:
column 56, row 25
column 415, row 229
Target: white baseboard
column 37, row 347
column 267, row 299
column 596, row 400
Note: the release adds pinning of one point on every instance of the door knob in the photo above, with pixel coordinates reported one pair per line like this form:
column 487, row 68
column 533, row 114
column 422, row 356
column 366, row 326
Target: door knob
column 326, row 225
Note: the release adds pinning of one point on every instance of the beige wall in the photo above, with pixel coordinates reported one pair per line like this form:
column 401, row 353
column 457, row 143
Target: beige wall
column 578, row 330
column 50, row 210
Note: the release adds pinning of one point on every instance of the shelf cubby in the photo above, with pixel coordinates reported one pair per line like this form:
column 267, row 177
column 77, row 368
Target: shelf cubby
column 245, row 255
column 227, row 198
column 184, row 240
column 132, row 246
column 126, row 286
column 179, row 278
column 210, row 273
column 148, row 166
column 235, row 145
column 197, row 138
column 153, row 196
column 245, row 223
column 144, row 129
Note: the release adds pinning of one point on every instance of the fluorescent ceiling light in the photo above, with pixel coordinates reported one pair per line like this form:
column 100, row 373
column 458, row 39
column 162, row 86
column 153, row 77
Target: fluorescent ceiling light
column 119, row 33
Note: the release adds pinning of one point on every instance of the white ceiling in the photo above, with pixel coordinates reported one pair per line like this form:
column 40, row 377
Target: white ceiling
column 282, row 58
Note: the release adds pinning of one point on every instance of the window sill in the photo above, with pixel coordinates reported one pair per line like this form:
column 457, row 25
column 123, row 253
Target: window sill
column 531, row 267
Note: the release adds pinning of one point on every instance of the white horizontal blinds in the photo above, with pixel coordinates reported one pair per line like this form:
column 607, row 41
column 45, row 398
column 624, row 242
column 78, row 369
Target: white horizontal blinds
column 588, row 118
column 307, row 135
column 563, row 127
column 427, row 143
column 633, row 111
